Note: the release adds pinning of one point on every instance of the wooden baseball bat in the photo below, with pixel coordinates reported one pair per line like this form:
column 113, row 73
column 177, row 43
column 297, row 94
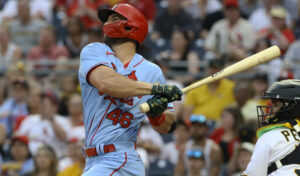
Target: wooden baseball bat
column 247, row 63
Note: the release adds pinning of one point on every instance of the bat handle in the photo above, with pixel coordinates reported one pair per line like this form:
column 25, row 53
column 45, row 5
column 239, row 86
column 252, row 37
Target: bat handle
column 144, row 108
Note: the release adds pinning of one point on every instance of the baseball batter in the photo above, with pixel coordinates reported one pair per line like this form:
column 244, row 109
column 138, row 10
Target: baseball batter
column 115, row 80
column 277, row 151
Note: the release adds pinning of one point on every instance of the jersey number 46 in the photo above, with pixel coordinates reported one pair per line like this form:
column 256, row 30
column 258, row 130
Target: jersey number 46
column 117, row 116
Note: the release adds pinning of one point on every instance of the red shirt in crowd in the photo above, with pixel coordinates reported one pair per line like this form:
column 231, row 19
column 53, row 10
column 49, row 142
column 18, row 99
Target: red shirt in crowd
column 73, row 6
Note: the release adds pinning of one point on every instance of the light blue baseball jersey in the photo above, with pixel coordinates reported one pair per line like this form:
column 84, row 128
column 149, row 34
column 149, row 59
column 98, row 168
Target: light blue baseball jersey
column 109, row 119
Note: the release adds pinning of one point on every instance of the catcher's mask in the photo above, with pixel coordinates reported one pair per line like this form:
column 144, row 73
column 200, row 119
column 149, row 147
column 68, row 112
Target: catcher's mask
column 284, row 104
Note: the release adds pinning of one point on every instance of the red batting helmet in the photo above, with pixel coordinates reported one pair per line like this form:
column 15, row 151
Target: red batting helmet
column 135, row 27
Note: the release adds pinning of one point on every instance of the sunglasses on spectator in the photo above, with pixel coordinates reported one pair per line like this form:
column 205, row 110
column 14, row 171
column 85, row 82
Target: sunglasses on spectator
column 197, row 119
column 195, row 154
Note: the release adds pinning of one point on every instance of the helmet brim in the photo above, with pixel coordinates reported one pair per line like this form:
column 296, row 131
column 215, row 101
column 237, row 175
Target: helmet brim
column 103, row 14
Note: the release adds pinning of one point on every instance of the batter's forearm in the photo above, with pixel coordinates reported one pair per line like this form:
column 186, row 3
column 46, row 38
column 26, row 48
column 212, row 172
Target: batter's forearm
column 165, row 127
column 123, row 87
column 114, row 84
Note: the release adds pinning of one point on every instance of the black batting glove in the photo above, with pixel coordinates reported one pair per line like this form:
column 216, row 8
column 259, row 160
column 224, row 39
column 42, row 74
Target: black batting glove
column 157, row 106
column 171, row 92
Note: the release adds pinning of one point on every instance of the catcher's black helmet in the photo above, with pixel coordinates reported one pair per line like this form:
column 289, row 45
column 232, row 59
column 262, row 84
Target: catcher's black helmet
column 287, row 92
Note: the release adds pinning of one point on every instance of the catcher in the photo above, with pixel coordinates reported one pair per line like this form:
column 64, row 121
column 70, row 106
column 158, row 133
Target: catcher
column 277, row 151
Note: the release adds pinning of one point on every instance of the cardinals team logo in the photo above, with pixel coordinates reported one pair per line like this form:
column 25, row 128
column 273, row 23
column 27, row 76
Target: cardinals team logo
column 132, row 75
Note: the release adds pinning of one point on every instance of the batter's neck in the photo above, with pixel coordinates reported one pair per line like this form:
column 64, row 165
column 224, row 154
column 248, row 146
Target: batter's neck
column 124, row 51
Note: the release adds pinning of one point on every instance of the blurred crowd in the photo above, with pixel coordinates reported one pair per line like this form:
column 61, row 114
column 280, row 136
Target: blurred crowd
column 41, row 123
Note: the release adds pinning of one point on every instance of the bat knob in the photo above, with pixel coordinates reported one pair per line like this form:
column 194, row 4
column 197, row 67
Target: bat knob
column 144, row 108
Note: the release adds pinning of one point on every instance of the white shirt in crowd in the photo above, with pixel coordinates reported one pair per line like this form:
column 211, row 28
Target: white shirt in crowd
column 260, row 19
column 241, row 35
column 40, row 131
column 170, row 152
column 206, row 150
column 43, row 7
column 147, row 133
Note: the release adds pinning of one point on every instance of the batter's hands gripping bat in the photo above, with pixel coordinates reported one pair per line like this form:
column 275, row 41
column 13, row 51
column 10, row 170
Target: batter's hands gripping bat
column 247, row 63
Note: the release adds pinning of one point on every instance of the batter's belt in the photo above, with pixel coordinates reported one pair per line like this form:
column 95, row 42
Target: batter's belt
column 101, row 149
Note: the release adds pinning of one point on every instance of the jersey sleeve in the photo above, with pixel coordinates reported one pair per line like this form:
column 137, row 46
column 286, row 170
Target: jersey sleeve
column 92, row 56
column 258, row 165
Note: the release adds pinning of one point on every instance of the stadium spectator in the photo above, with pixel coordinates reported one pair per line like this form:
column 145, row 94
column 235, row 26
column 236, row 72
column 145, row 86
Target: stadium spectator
column 76, row 134
column 209, row 100
column 4, row 144
column 272, row 68
column 181, row 135
column 38, row 9
column 47, row 50
column 45, row 162
column 232, row 37
column 95, row 35
column 9, row 52
column 182, row 61
column 205, row 13
column 2, row 91
column 247, row 7
column 78, row 160
column 278, row 33
column 86, row 10
column 243, row 94
column 212, row 151
column 67, row 89
column 169, row 18
column 24, row 30
column 260, row 18
column 2, row 4
column 76, row 114
column 247, row 133
column 34, row 99
column 259, row 84
column 147, row 7
column 242, row 155
column 292, row 59
column 291, row 6
column 47, row 127
column 150, row 140
column 33, row 104
column 200, row 8
column 14, row 106
column 196, row 162
column 76, row 37
column 15, row 72
column 226, row 135
column 21, row 162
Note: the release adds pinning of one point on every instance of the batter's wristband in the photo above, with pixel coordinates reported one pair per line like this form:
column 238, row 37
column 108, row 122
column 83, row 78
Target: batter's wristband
column 156, row 121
